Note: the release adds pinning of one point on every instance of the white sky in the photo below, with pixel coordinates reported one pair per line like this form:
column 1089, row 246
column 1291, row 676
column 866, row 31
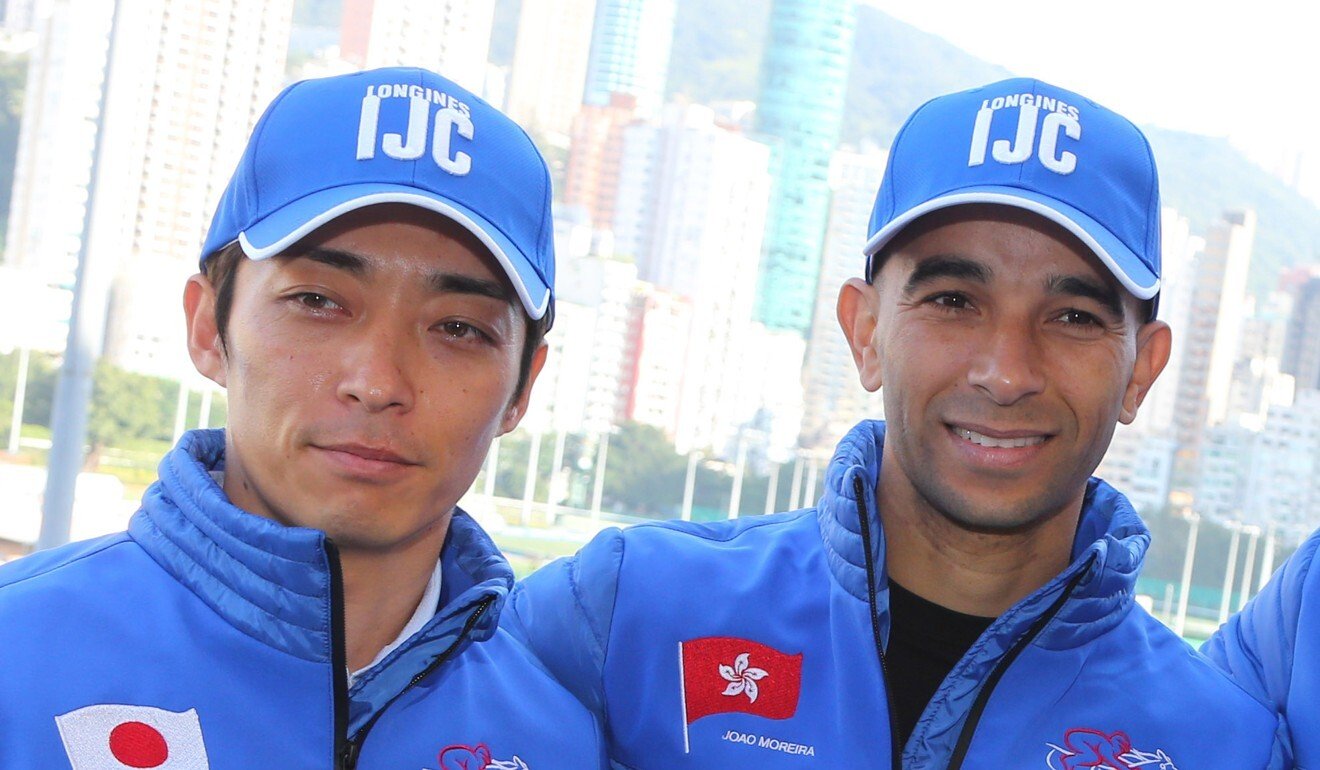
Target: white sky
column 1247, row 70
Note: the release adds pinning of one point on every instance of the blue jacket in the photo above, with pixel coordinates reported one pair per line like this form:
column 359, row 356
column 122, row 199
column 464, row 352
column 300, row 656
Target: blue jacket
column 221, row 632
column 660, row 628
column 1272, row 648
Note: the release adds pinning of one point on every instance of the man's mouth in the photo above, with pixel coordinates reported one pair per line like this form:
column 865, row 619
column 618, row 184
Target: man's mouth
column 999, row 442
column 375, row 454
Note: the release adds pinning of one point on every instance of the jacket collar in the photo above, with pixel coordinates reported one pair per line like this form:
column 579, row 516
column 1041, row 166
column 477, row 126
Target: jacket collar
column 272, row 582
column 1109, row 548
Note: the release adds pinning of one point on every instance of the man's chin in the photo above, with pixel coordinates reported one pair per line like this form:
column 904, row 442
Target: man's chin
column 380, row 532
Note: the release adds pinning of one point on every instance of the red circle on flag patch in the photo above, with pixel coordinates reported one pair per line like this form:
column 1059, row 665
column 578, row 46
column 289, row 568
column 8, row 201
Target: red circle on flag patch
column 138, row 745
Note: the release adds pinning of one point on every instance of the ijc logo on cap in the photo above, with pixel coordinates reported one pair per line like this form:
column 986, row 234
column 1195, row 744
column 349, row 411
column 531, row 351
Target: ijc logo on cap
column 1030, row 145
column 328, row 146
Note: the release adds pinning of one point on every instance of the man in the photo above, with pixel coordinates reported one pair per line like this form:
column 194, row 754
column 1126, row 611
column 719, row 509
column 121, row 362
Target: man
column 963, row 594
column 299, row 590
column 1272, row 649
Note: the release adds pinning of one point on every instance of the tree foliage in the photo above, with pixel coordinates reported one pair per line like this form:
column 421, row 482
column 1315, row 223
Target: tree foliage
column 13, row 79
column 125, row 408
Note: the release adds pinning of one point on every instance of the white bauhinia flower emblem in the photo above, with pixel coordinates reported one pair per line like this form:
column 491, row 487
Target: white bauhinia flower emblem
column 742, row 678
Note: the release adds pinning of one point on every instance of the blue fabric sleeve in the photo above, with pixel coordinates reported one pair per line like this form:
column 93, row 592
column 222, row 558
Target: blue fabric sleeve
column 1255, row 647
column 563, row 611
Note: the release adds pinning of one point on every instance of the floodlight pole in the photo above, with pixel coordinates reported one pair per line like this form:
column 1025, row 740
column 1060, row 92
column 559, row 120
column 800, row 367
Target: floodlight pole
column 73, row 389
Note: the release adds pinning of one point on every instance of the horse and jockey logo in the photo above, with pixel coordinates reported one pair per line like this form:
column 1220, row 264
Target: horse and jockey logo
column 1085, row 749
column 459, row 757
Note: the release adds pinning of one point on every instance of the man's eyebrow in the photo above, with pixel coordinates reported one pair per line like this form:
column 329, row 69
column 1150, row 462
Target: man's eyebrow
column 1079, row 286
column 438, row 282
column 337, row 258
column 457, row 283
column 945, row 266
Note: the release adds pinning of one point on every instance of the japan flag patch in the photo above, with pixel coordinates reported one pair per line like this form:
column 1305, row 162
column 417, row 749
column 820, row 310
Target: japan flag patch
column 115, row 737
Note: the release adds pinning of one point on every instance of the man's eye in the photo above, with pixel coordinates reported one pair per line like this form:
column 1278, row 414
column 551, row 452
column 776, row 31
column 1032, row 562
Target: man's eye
column 950, row 300
column 1079, row 318
column 314, row 301
column 462, row 330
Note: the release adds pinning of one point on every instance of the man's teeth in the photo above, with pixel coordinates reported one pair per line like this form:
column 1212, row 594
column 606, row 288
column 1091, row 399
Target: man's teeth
column 999, row 443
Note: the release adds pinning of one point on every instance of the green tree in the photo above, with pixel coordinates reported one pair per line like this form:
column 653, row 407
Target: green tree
column 643, row 473
column 13, row 78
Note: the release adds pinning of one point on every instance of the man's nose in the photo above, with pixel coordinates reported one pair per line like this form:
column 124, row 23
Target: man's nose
column 375, row 371
column 1006, row 365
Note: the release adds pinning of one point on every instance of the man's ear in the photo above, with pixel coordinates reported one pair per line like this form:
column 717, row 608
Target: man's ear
column 204, row 346
column 1154, row 344
column 856, row 311
column 517, row 408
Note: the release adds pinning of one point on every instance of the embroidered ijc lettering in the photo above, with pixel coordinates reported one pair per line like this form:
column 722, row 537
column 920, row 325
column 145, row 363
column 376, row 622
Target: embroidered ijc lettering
column 411, row 145
column 1024, row 143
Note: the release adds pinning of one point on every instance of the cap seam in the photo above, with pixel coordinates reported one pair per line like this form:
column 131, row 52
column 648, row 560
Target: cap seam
column 258, row 135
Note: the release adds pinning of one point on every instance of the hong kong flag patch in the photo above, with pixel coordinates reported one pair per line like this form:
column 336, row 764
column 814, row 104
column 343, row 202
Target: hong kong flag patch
column 115, row 737
column 723, row 674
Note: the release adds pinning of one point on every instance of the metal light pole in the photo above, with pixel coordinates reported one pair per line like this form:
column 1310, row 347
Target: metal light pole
column 812, row 471
column 772, row 491
column 529, row 485
column 795, row 488
column 1180, row 622
column 689, row 485
column 73, row 389
column 492, row 465
column 1229, row 571
column 598, row 491
column 739, row 466
column 556, row 466
column 20, row 394
column 1254, row 533
column 1267, row 561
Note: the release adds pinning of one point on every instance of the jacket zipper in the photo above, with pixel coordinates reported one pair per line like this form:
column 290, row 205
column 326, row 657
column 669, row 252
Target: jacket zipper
column 895, row 740
column 983, row 697
column 350, row 748
column 339, row 657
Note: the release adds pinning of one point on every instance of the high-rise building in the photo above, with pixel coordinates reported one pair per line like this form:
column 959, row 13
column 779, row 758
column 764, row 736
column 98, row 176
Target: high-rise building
column 1301, row 355
column 1213, row 326
column 659, row 332
column 21, row 15
column 52, row 170
column 1257, row 382
column 1283, row 488
column 835, row 400
column 629, row 53
column 451, row 37
column 691, row 212
column 804, row 76
column 549, row 69
column 591, row 179
column 188, row 81
column 1178, row 249
column 1141, row 465
column 1224, row 463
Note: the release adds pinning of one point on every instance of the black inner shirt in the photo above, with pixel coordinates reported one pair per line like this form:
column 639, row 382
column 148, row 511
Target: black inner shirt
column 925, row 641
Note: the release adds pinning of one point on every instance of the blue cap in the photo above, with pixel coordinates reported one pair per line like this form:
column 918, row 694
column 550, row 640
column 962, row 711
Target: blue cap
column 328, row 146
column 1034, row 146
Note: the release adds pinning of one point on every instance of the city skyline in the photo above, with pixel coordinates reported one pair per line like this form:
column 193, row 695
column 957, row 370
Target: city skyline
column 666, row 225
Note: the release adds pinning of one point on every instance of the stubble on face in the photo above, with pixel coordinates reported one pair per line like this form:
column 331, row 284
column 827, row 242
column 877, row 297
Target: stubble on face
column 367, row 382
column 987, row 342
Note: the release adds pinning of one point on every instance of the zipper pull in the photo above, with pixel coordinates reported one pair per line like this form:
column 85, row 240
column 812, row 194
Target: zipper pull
column 348, row 759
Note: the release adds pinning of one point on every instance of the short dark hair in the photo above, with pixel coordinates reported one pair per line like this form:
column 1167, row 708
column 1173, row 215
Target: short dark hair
column 221, row 267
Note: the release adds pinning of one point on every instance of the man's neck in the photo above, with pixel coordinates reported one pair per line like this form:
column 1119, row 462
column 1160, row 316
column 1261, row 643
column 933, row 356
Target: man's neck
column 972, row 572
column 381, row 593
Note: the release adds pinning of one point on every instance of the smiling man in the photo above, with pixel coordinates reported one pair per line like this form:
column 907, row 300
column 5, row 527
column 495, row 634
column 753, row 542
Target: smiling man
column 300, row 589
column 962, row 596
